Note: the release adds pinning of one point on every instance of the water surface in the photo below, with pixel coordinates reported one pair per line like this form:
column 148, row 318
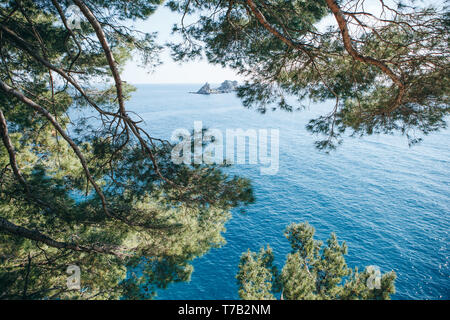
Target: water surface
column 389, row 202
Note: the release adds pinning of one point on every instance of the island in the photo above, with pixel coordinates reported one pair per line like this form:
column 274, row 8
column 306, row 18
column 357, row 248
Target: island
column 226, row 87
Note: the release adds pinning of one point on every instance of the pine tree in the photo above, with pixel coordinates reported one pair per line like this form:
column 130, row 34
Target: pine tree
column 311, row 272
column 385, row 66
column 100, row 192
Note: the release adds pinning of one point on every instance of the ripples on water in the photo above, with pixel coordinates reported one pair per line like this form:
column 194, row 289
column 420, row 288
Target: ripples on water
column 389, row 202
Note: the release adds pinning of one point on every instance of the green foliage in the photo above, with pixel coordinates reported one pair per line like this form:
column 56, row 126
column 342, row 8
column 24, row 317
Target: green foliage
column 392, row 75
column 311, row 272
column 152, row 228
column 256, row 275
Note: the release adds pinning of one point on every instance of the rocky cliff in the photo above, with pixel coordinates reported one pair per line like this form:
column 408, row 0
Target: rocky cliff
column 226, row 87
column 206, row 89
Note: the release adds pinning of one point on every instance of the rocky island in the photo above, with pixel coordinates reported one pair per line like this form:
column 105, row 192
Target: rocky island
column 226, row 87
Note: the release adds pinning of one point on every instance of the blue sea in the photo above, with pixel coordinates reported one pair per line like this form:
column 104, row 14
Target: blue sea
column 389, row 202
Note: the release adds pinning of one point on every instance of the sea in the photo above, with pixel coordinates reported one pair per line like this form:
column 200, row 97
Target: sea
column 388, row 201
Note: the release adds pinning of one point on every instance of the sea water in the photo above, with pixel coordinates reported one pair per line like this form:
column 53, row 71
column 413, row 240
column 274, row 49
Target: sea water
column 389, row 202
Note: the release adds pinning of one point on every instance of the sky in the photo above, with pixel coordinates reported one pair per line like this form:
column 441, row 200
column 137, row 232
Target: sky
column 194, row 71
column 173, row 72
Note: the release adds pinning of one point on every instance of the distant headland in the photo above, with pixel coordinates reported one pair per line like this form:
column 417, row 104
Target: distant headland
column 226, row 87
